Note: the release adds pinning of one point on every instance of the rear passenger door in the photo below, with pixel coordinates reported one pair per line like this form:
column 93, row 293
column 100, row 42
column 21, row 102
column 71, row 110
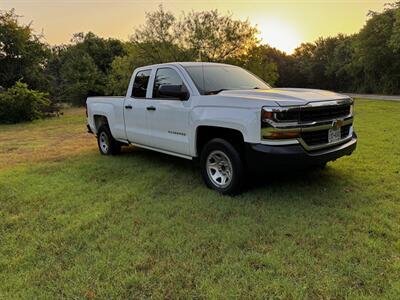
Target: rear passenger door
column 168, row 117
column 136, row 123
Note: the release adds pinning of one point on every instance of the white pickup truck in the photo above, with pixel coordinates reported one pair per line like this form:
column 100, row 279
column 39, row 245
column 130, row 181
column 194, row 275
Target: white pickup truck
column 228, row 118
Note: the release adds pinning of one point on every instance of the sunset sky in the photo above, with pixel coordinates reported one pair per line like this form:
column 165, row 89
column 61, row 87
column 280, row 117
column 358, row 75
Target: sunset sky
column 283, row 24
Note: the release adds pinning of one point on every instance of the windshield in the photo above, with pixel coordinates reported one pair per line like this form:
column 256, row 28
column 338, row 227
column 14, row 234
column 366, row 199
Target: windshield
column 212, row 79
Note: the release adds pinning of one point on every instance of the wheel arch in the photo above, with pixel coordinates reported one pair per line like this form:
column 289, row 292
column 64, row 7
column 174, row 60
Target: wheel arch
column 100, row 120
column 205, row 133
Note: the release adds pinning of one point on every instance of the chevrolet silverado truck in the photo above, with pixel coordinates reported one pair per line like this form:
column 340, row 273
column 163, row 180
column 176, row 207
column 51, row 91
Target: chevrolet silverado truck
column 226, row 118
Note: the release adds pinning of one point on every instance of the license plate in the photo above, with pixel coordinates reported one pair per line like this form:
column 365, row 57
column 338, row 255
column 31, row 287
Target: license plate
column 334, row 135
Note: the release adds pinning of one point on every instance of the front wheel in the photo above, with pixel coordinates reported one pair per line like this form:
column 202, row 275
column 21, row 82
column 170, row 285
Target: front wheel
column 107, row 144
column 319, row 166
column 222, row 167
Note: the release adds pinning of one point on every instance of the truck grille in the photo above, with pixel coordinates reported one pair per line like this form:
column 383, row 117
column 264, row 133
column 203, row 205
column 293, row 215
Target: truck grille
column 315, row 113
column 320, row 137
column 324, row 113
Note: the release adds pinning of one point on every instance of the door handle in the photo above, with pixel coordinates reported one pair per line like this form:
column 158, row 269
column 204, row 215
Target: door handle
column 128, row 106
column 150, row 108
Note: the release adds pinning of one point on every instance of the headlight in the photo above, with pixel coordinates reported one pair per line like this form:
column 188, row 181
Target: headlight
column 280, row 114
column 272, row 120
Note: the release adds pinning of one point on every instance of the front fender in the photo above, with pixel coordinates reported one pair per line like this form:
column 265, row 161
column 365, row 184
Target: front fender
column 245, row 120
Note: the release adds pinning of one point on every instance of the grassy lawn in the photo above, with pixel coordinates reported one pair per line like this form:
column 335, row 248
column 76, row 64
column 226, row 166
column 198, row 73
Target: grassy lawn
column 74, row 224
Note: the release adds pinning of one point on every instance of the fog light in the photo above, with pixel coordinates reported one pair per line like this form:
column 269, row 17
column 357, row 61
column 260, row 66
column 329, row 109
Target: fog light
column 281, row 134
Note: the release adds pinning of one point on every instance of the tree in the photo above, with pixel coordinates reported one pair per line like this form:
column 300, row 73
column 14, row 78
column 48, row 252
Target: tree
column 157, row 39
column 102, row 51
column 19, row 104
column 394, row 42
column 122, row 68
column 205, row 35
column 274, row 66
column 79, row 77
column 81, row 69
column 339, row 66
column 22, row 54
column 259, row 61
column 377, row 59
column 210, row 36
column 304, row 63
column 325, row 63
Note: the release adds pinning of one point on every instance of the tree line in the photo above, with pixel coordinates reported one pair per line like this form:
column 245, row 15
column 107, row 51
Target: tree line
column 366, row 62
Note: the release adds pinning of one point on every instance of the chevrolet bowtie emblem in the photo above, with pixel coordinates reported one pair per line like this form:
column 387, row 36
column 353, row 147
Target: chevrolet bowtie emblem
column 337, row 123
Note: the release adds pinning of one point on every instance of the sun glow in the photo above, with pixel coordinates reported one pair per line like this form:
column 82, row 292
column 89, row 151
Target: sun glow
column 279, row 34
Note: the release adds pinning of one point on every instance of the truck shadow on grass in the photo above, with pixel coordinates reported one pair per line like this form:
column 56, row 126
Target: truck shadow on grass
column 315, row 182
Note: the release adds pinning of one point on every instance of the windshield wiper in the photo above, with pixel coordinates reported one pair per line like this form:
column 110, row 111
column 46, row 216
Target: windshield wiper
column 215, row 92
column 220, row 90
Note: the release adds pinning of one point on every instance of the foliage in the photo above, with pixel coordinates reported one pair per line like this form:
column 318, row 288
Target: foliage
column 320, row 64
column 377, row 58
column 141, row 225
column 204, row 35
column 122, row 68
column 18, row 104
column 365, row 62
column 268, row 63
column 22, row 54
column 80, row 77
column 102, row 51
column 156, row 40
column 285, row 64
column 81, row 69
column 211, row 36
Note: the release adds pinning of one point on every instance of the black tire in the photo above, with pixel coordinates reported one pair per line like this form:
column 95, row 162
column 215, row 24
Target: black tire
column 320, row 166
column 107, row 144
column 221, row 147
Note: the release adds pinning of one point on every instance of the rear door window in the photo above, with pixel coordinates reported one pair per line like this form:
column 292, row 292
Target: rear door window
column 140, row 84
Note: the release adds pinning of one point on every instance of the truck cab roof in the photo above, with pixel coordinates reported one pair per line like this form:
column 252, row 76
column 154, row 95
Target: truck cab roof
column 187, row 64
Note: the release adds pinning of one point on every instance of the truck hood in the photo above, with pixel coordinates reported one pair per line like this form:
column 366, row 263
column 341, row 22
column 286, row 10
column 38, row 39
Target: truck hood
column 285, row 96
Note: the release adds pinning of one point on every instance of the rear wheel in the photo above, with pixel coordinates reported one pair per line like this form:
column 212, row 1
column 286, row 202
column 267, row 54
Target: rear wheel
column 221, row 167
column 107, row 144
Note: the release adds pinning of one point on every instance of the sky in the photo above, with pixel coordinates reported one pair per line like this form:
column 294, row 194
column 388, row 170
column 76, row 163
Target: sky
column 282, row 24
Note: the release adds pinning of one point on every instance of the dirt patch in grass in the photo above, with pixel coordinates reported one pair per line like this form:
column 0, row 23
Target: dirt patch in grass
column 45, row 140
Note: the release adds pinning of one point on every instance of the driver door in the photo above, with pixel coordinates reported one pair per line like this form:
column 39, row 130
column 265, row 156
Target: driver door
column 168, row 117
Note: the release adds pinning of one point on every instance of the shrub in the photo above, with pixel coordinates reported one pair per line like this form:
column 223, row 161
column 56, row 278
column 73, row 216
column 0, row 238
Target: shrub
column 18, row 104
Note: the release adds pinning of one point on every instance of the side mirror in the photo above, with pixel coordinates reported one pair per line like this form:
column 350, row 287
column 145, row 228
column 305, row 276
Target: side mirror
column 174, row 91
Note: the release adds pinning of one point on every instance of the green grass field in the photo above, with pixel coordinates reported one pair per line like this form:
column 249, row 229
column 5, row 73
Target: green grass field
column 74, row 224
